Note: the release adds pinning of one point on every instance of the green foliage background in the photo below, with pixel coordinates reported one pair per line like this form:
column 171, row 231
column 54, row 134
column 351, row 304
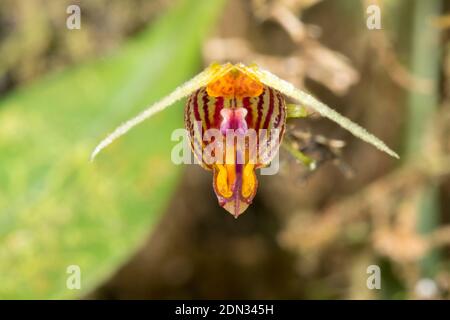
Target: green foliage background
column 56, row 208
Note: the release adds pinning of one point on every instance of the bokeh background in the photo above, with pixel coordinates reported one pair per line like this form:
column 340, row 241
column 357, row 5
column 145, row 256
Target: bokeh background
column 140, row 227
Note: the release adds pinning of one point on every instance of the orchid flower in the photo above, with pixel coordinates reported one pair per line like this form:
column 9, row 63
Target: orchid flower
column 239, row 99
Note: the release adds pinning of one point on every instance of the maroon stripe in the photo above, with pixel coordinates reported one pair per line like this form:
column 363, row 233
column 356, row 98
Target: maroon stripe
column 260, row 105
column 196, row 113
column 218, row 105
column 269, row 113
column 280, row 116
column 247, row 106
column 282, row 106
column 205, row 100
column 189, row 110
column 197, row 142
column 186, row 113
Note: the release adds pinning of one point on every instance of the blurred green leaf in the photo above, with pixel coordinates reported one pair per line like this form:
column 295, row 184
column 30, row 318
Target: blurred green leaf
column 422, row 107
column 56, row 208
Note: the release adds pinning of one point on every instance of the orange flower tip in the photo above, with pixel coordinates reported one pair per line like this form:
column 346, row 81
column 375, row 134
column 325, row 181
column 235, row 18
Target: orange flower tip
column 235, row 83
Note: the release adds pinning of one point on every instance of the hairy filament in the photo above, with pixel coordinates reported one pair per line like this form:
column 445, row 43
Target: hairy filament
column 289, row 90
column 201, row 80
